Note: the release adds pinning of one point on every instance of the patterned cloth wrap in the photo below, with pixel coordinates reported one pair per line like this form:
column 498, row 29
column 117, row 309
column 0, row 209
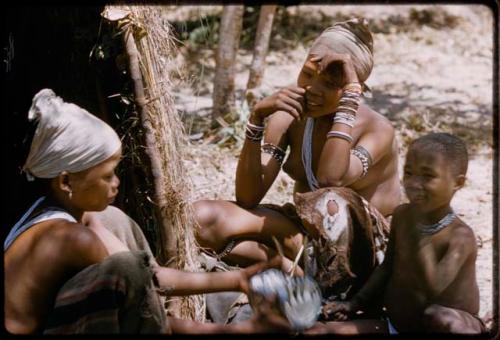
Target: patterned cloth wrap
column 343, row 248
column 114, row 296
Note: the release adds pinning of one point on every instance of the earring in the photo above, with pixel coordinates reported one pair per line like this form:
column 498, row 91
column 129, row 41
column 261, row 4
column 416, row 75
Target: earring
column 70, row 194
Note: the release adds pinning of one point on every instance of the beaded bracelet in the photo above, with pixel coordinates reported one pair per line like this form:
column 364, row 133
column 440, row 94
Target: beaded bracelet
column 275, row 151
column 344, row 118
column 353, row 87
column 339, row 134
column 254, row 132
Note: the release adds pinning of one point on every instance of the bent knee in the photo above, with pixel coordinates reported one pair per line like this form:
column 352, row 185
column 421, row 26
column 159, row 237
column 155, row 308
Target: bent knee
column 206, row 212
column 442, row 319
column 208, row 215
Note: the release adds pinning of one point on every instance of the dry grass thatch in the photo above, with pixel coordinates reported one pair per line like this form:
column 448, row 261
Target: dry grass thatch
column 165, row 142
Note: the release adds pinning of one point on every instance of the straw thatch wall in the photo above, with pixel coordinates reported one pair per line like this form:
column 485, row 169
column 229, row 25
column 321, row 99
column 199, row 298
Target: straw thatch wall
column 149, row 43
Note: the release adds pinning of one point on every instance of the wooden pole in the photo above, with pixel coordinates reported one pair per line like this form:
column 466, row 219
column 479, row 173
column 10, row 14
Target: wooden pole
column 167, row 245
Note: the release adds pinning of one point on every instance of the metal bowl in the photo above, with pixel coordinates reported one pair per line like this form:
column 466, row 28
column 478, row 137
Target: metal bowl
column 299, row 298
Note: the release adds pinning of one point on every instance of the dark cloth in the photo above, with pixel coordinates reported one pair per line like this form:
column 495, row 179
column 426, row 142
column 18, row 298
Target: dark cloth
column 114, row 296
column 289, row 210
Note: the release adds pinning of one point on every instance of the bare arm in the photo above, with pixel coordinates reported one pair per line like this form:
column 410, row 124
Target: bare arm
column 255, row 172
column 439, row 274
column 184, row 326
column 178, row 282
column 81, row 247
column 380, row 276
column 338, row 167
column 264, row 320
column 375, row 284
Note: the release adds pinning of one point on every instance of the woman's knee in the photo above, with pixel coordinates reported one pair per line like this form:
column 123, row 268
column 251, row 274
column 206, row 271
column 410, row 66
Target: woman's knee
column 209, row 216
column 206, row 213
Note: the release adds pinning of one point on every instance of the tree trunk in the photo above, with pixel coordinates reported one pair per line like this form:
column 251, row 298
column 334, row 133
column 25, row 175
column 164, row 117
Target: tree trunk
column 229, row 39
column 261, row 46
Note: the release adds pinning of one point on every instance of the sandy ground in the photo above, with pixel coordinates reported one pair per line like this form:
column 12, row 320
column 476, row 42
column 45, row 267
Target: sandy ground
column 427, row 77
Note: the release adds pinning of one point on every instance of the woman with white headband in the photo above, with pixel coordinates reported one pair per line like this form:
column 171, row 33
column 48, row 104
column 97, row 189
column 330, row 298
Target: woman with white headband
column 66, row 271
column 334, row 140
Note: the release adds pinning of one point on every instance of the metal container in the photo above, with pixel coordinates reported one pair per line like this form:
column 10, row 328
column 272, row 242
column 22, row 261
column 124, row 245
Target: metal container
column 298, row 298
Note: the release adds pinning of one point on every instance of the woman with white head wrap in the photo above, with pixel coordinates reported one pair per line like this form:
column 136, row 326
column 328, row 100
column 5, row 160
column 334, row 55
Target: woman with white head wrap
column 335, row 140
column 67, row 138
column 76, row 153
column 70, row 271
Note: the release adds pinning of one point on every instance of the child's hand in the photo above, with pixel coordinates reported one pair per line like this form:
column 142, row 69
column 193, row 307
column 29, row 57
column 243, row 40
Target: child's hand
column 247, row 273
column 330, row 59
column 341, row 310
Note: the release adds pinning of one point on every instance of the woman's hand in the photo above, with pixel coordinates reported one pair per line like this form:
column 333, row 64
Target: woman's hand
column 267, row 319
column 330, row 59
column 248, row 272
column 341, row 310
column 290, row 100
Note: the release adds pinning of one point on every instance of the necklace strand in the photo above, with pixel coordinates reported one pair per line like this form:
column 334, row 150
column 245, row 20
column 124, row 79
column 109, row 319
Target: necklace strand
column 430, row 229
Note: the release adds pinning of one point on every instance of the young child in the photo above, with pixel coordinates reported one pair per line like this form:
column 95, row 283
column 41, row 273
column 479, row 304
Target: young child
column 428, row 277
column 67, row 273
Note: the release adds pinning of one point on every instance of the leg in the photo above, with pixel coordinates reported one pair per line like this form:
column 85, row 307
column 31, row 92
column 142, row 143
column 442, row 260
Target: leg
column 349, row 327
column 439, row 318
column 221, row 221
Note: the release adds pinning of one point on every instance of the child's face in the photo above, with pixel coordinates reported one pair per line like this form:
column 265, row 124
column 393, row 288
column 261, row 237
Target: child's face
column 322, row 91
column 428, row 179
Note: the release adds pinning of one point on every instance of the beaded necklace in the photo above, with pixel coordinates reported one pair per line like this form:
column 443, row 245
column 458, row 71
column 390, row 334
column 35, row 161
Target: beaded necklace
column 430, row 229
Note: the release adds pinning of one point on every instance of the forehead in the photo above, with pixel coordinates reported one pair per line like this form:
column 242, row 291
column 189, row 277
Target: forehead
column 333, row 73
column 308, row 64
column 422, row 156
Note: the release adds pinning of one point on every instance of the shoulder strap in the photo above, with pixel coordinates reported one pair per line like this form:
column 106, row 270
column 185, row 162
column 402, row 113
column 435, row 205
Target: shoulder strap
column 24, row 223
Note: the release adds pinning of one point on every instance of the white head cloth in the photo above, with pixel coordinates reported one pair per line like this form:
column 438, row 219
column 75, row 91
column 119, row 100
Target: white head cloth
column 67, row 138
column 351, row 37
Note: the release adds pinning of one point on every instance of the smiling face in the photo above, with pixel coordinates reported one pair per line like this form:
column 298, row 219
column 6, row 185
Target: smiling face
column 322, row 91
column 95, row 188
column 429, row 179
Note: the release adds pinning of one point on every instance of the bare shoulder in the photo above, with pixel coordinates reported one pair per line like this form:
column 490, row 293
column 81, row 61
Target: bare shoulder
column 462, row 236
column 79, row 245
column 376, row 121
column 401, row 211
column 400, row 214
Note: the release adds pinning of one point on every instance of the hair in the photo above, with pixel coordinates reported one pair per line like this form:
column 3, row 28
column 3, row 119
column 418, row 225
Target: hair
column 448, row 145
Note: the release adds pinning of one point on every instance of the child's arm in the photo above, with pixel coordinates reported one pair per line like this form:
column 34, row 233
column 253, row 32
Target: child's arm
column 439, row 274
column 375, row 284
column 177, row 282
column 378, row 280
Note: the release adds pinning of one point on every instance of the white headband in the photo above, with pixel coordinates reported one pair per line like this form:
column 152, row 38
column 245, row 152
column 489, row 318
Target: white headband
column 67, row 138
column 352, row 37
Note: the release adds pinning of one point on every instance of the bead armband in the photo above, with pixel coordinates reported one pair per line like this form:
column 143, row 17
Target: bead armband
column 275, row 151
column 364, row 156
